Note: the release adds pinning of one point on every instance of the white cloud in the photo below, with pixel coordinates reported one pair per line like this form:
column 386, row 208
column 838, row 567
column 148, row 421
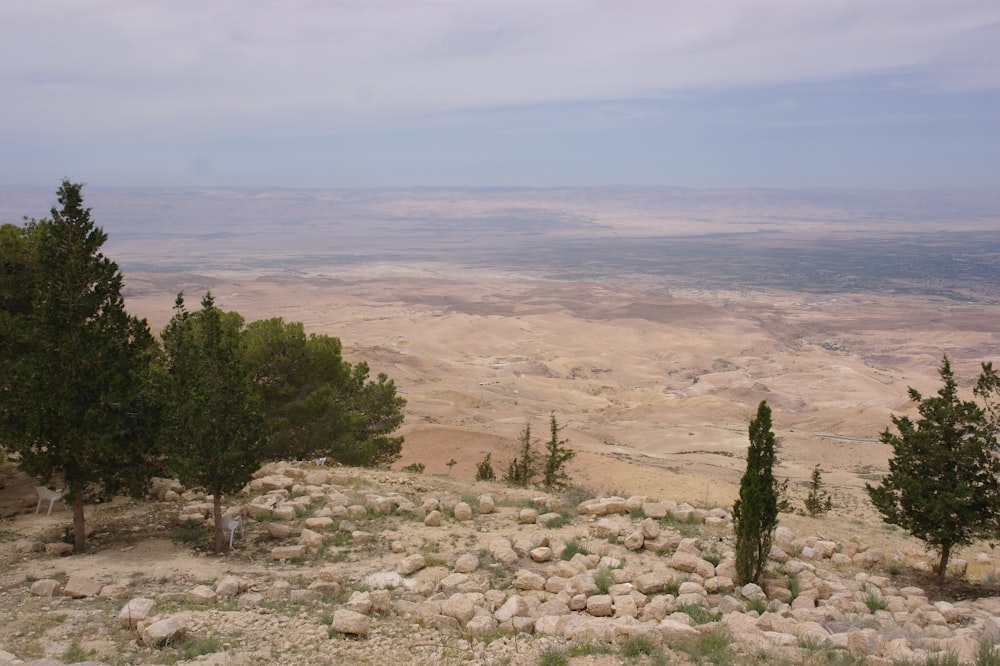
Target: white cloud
column 120, row 64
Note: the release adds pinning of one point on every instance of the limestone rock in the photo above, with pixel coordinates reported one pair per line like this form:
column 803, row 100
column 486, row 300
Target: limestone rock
column 288, row 552
column 201, row 595
column 28, row 546
column 58, row 548
column 135, row 611
column 466, row 563
column 45, row 587
column 463, row 512
column 80, row 586
column 168, row 630
column 411, row 564
column 351, row 623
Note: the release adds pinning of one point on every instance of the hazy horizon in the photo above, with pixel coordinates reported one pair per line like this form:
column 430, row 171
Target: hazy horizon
column 719, row 94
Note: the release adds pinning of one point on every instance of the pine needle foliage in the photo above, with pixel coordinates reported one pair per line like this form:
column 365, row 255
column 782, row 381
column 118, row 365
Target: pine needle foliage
column 522, row 469
column 943, row 485
column 818, row 501
column 557, row 454
column 755, row 514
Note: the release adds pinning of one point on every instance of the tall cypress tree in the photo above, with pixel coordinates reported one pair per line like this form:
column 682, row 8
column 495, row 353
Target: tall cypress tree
column 755, row 514
column 77, row 399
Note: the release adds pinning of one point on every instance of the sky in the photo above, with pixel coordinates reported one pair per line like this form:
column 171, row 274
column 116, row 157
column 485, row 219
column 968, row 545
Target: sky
column 889, row 94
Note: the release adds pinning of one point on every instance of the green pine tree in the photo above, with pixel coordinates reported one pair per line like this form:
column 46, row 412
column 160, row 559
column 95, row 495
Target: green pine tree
column 817, row 501
column 522, row 469
column 755, row 514
column 557, row 454
column 84, row 408
column 942, row 486
column 213, row 424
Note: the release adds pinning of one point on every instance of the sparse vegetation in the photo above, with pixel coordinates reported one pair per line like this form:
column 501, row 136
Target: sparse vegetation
column 522, row 469
column 574, row 547
column 484, row 469
column 414, row 468
column 817, row 501
column 603, row 580
column 557, row 454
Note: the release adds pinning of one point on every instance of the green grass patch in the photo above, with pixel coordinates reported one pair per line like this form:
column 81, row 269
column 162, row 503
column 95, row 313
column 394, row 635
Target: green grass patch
column 641, row 647
column 553, row 657
column 713, row 648
column 603, row 580
column 574, row 547
column 698, row 613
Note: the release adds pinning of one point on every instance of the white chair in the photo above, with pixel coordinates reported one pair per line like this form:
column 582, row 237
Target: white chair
column 231, row 525
column 48, row 495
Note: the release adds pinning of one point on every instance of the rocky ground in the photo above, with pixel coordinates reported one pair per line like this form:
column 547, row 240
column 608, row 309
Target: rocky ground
column 336, row 565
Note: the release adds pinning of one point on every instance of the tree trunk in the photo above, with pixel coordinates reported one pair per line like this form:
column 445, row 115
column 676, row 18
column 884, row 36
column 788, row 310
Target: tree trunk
column 79, row 523
column 220, row 534
column 943, row 564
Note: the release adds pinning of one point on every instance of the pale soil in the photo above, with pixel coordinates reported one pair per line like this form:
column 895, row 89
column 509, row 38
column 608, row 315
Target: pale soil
column 654, row 387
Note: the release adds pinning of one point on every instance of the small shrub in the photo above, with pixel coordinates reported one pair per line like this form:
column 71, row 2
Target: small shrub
column 602, row 579
column 637, row 647
column 484, row 469
column 574, row 547
column 451, row 463
column 818, row 501
column 875, row 601
column 757, row 603
column 415, row 468
column 672, row 586
column 191, row 534
column 699, row 614
column 794, row 586
column 637, row 513
column 949, row 659
column 988, row 655
column 712, row 648
column 553, row 657
column 74, row 653
column 574, row 495
column 196, row 647
column 561, row 521
column 589, row 649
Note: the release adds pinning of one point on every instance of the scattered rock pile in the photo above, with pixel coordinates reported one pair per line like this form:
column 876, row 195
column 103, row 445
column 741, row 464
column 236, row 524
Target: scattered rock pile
column 380, row 567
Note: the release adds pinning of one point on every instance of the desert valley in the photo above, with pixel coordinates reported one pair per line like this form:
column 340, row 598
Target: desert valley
column 649, row 321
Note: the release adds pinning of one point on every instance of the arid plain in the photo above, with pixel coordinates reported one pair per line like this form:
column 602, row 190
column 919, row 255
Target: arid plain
column 649, row 321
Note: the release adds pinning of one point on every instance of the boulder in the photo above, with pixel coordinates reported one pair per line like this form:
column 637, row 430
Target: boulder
column 28, row 546
column 135, row 611
column 80, row 586
column 201, row 595
column 411, row 564
column 46, row 587
column 463, row 512
column 351, row 623
column 58, row 549
column 167, row 630
column 288, row 552
column 466, row 563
